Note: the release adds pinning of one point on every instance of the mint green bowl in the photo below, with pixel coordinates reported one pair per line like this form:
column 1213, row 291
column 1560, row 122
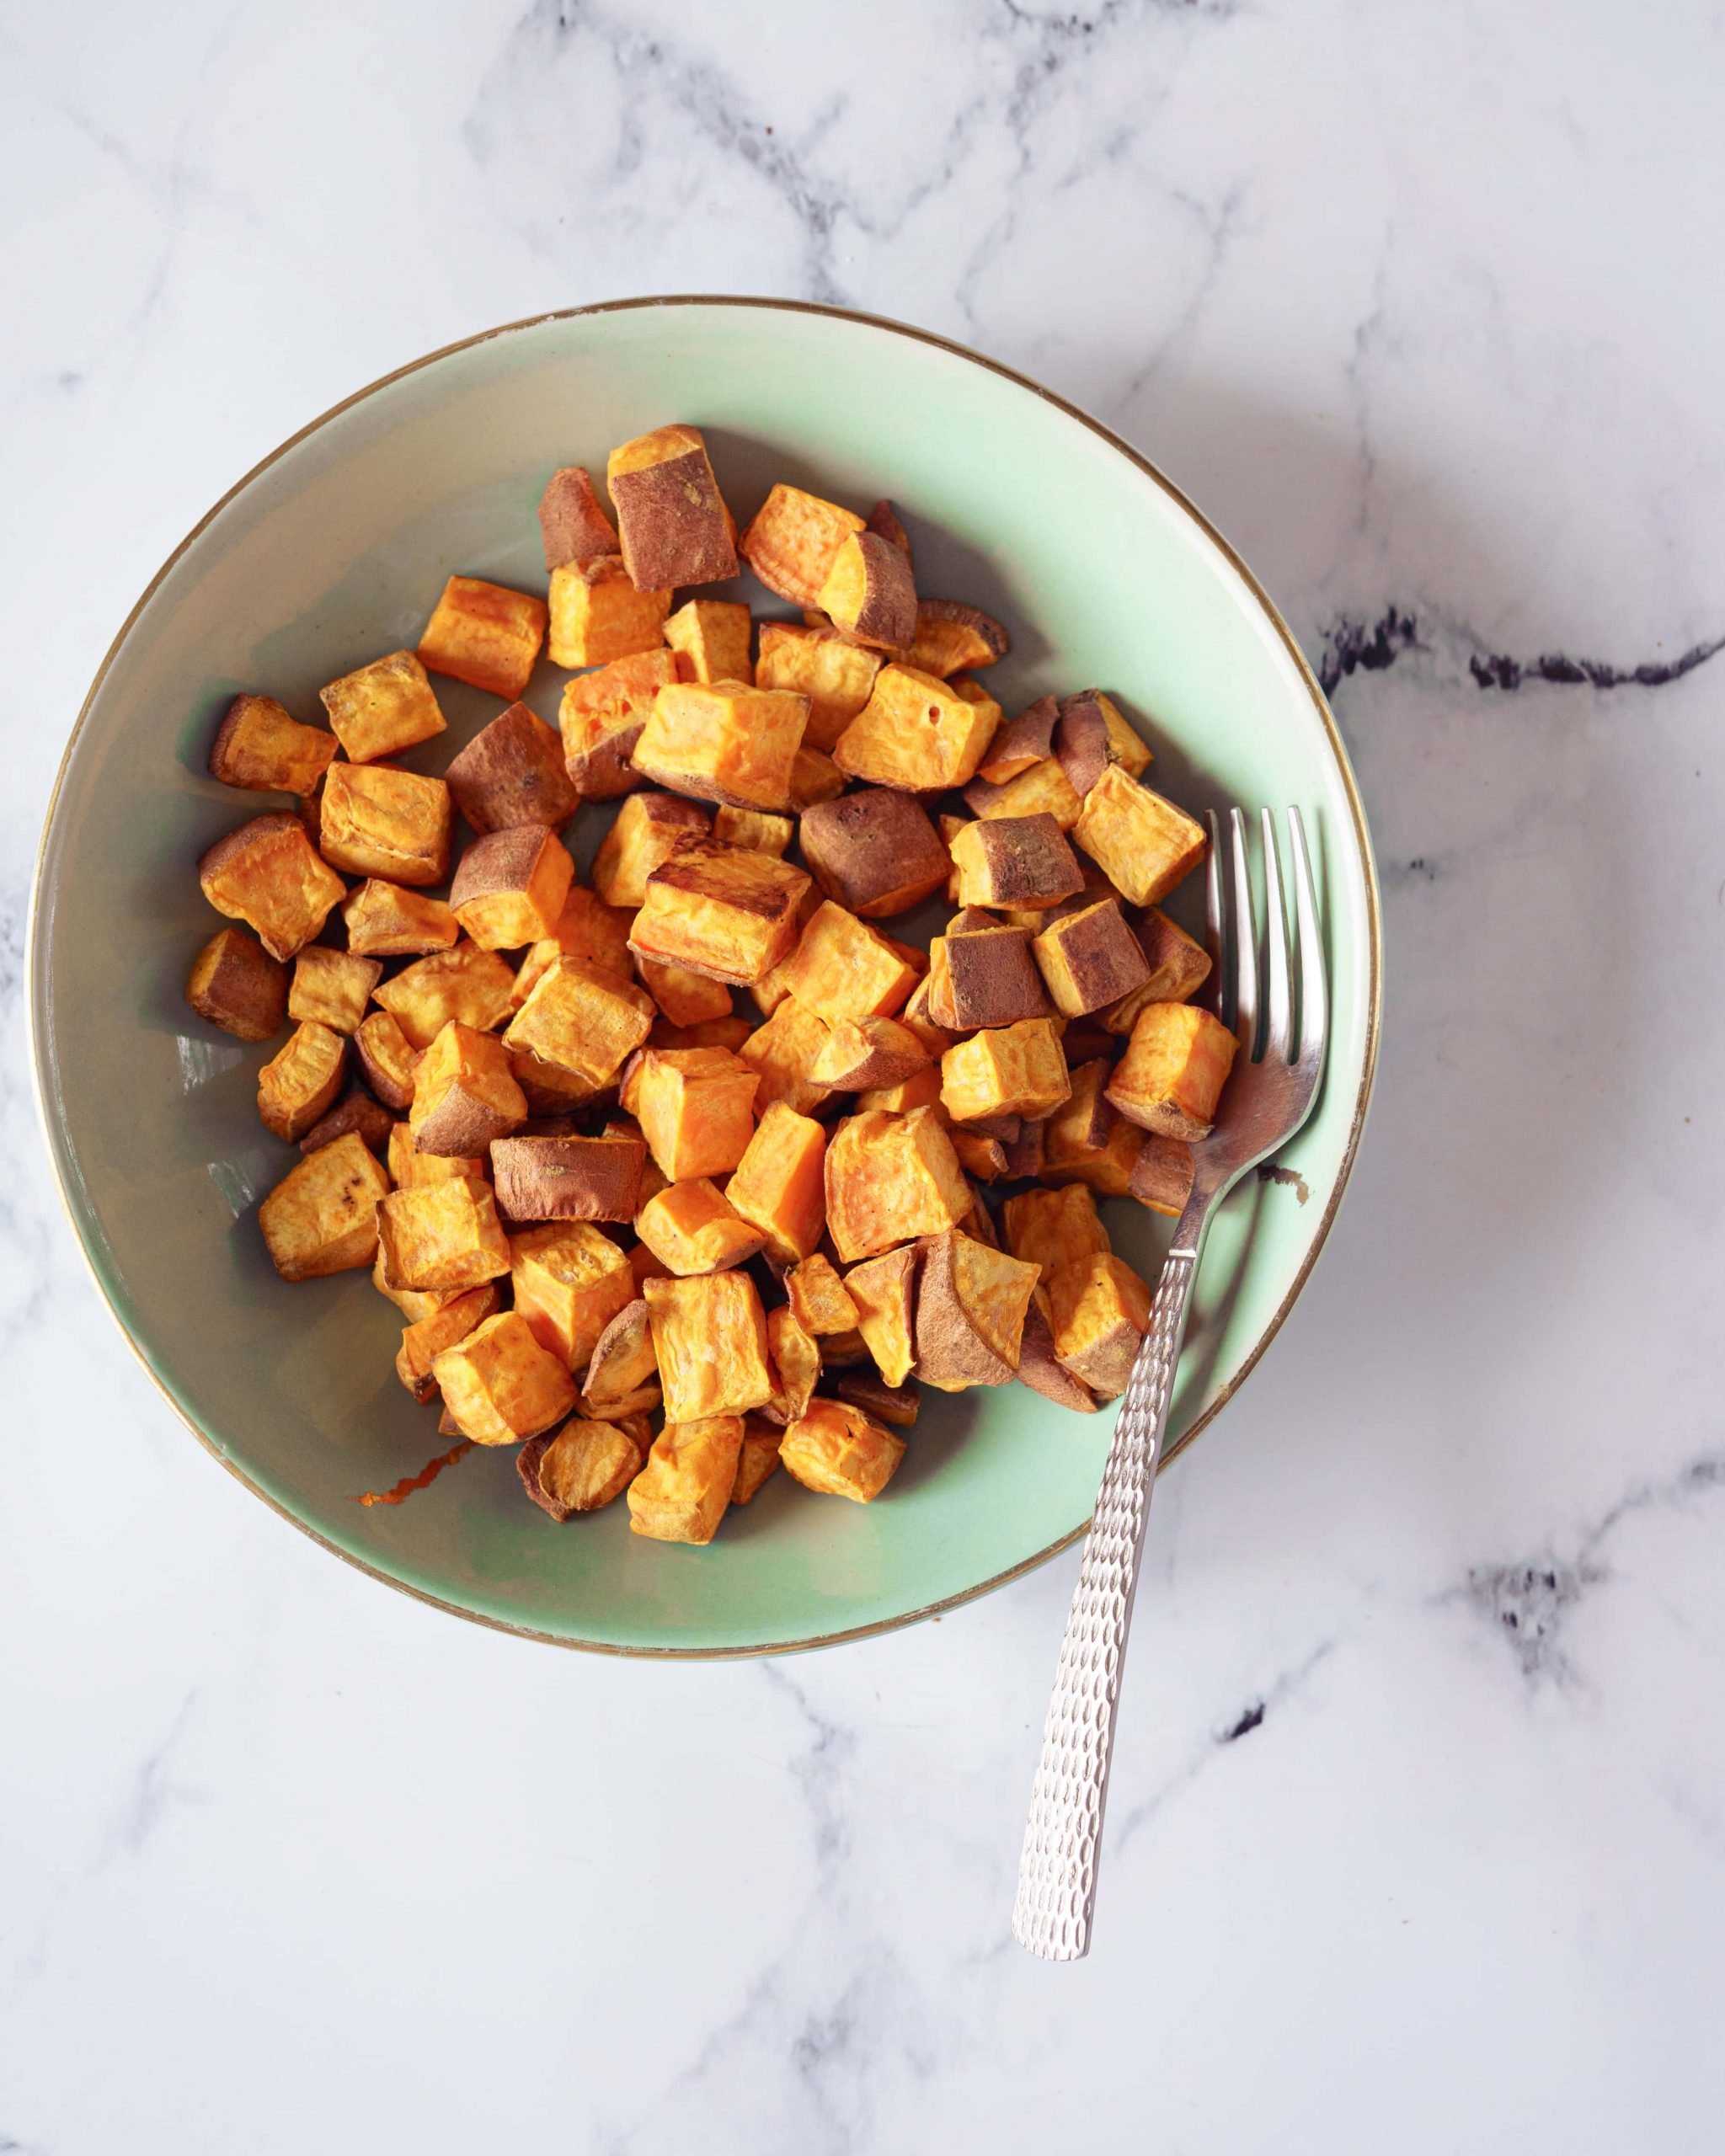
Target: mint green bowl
column 334, row 550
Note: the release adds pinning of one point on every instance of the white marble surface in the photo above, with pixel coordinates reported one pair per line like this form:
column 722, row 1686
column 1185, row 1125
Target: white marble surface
column 1418, row 1840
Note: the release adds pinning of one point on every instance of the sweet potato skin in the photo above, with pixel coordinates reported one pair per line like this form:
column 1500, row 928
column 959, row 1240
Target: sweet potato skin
column 359, row 1113
column 971, row 1302
column 580, row 1468
column 568, row 1178
column 600, row 720
column 236, row 984
column 874, row 852
column 1090, row 960
column 951, row 636
column 512, row 773
column 572, row 522
column 870, row 592
column 671, row 520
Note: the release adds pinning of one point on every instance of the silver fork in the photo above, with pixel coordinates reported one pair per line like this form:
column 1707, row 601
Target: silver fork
column 1267, row 1096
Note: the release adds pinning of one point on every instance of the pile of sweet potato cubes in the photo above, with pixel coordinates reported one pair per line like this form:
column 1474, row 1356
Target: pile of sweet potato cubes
column 704, row 1139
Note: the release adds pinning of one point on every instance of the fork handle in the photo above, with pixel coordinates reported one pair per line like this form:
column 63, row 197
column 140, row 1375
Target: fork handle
column 1057, row 1869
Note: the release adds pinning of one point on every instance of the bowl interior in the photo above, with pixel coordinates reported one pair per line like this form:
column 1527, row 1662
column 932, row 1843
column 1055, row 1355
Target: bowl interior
column 333, row 553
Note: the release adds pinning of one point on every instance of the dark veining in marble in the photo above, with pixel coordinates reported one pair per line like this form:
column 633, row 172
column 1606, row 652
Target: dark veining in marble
column 1252, row 1718
column 1498, row 671
column 1350, row 644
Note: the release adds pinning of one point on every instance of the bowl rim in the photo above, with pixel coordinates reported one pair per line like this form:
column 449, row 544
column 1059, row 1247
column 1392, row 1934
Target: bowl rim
column 35, row 1029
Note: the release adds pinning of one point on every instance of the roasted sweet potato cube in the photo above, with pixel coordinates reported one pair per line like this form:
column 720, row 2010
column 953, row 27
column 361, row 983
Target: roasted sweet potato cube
column 569, row 1178
column 302, row 1081
column 509, row 887
column 597, row 614
column 695, row 1107
column 649, row 828
column 791, row 543
column 751, row 830
column 1090, row 960
column 268, row 875
column 889, row 1179
column 332, row 987
column 407, row 1164
column 819, row 1297
column 413, row 1303
column 709, row 1335
column 466, row 983
column 692, row 1228
column 1092, row 734
column 991, row 979
column 869, row 1053
column 322, row 1217
column 261, row 745
column 710, row 1032
column 586, row 928
column 584, row 1019
column 512, row 773
column 572, row 521
column 837, row 677
column 622, row 1376
column 1172, row 1073
column 950, row 636
column 1043, row 790
column 1021, row 743
column 870, row 594
column 814, row 777
column 1161, row 1175
column 883, row 1292
column 684, row 998
column 884, row 519
column 389, row 1059
column 843, row 969
column 782, row 1053
column 671, row 520
column 723, row 741
column 1145, row 844
column 385, row 921
column 864, row 1387
column 985, row 1158
column 441, row 1234
column 465, row 1094
column 921, row 1090
column 1015, row 861
column 580, row 1468
column 500, row 1385
column 484, row 634
column 356, row 1112
column 600, row 719
column 874, row 852
column 780, row 1185
column 795, row 1359
column 1050, row 1228
column 681, row 1493
column 710, row 638
column 425, row 1339
column 1040, row 1369
column 970, row 1305
column 378, row 820
column 1101, row 1313
column 381, row 709
column 1177, row 969
column 1009, row 1070
column 236, row 984
column 915, row 733
column 1087, row 1140
column 570, row 1281
column 720, row 910
column 758, row 1459
column 840, row 1452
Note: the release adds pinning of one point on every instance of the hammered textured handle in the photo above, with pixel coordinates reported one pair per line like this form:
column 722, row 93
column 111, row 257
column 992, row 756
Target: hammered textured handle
column 1057, row 1870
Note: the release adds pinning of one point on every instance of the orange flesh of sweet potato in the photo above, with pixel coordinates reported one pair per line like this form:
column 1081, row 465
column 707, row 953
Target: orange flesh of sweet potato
column 386, row 921
column 586, row 928
column 258, row 745
column 235, row 983
column 819, row 1298
column 1087, row 1140
column 783, row 1053
column 600, row 721
column 754, row 831
column 970, row 1305
column 915, row 733
column 1043, row 790
column 301, row 1082
column 950, row 636
column 890, row 1179
column 465, row 1094
column 407, row 1164
column 870, row 593
column 1101, row 1313
column 331, row 987
column 696, row 1110
column 792, row 540
column 1013, row 1071
column 509, row 887
column 583, row 1019
column 1041, row 1369
column 1050, row 1228
column 322, row 1217
column 383, row 708
column 467, row 984
column 484, row 634
column 441, row 1235
column 1143, row 843
column 795, row 1357
column 710, row 638
column 836, row 677
column 649, row 828
column 758, row 1459
column 921, row 1090
column 681, row 1494
column 597, row 614
column 720, row 910
column 569, row 1281
column 1172, row 1073
column 882, row 1291
column 580, row 1468
column 623, row 1369
column 692, row 1228
column 425, row 1339
column 501, row 1385
column 1177, row 967
column 387, row 1058
column 843, row 969
column 723, row 741
column 267, row 875
column 709, row 1335
column 1090, row 960
column 684, row 998
column 838, row 1451
column 780, row 1183
column 375, row 819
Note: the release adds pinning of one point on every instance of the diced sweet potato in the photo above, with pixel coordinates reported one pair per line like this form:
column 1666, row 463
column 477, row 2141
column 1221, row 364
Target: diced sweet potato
column 1091, row 736
column 1021, row 743
column 512, row 773
column 570, row 1281
column 950, row 636
column 889, row 1179
column 681, row 1493
column 650, row 828
column 684, row 998
column 332, row 987
column 1177, row 967
column 600, row 719
column 1042, row 790
column 837, row 1450
column 883, row 518
column 722, row 741
column 883, row 1292
column 915, row 733
column 869, row 1053
column 921, row 1090
column 1010, row 1070
column 441, row 1234
column 970, row 1305
column 1041, row 1369
column 874, row 852
column 758, row 1459
column 484, row 634
column 991, row 979
column 1090, row 960
column 572, row 521
column 782, row 1053
column 509, row 887
column 580, row 1468
column 267, row 875
column 837, row 677
column 260, row 745
column 500, row 1385
column 710, row 1032
column 586, row 928
column 1172, row 1073
column 1050, row 1228
column 795, row 1359
column 379, row 820
column 301, row 1081
column 389, row 1059
column 622, row 1375
column 383, row 708
column 569, row 1178
column 985, row 1158
column 1161, row 1175
column 356, row 1112
column 465, row 1094
column 817, row 1296
column 425, row 1339
column 780, row 1186
column 843, row 969
column 695, row 1107
column 709, row 1335
column 671, row 520
column 1087, row 1140
column 710, row 638
column 236, row 984
column 870, row 594
column 1015, row 861
column 597, row 614
column 413, row 1303
column 1143, row 843
column 814, row 777
column 751, row 830
column 583, row 1019
column 466, row 983
column 1100, row 1312
column 385, row 921
column 791, row 543
column 692, row 1228
column 720, row 910
column 322, row 1217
